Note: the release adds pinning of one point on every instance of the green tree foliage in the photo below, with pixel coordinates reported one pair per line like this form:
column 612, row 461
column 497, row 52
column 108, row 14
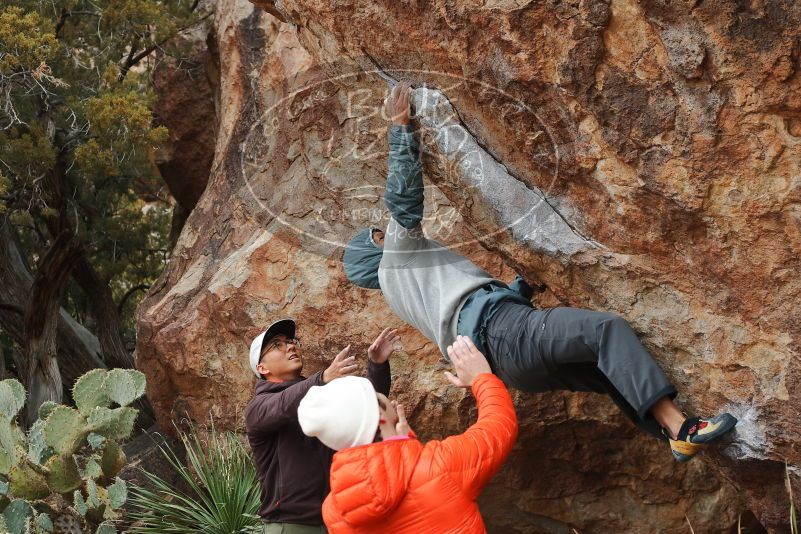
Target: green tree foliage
column 77, row 135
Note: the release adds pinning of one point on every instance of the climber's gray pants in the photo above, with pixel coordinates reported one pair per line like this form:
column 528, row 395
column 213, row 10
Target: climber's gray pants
column 576, row 350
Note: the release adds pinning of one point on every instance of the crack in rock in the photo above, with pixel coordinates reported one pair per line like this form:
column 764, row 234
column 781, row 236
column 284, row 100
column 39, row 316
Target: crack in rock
column 521, row 209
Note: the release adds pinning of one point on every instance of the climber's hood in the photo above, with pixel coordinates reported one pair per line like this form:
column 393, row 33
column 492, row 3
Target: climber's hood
column 361, row 259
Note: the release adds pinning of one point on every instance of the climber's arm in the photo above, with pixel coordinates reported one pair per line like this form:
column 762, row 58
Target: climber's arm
column 404, row 192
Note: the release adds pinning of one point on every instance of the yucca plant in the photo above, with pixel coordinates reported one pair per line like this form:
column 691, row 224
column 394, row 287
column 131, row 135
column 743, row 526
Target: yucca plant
column 223, row 496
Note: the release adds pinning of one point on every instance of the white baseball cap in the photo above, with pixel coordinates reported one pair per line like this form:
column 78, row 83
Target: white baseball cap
column 284, row 326
column 341, row 414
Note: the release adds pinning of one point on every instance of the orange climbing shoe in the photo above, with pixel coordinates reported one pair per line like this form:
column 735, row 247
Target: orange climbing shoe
column 696, row 433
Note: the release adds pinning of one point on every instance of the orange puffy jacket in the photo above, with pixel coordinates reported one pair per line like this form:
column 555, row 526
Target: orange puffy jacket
column 403, row 486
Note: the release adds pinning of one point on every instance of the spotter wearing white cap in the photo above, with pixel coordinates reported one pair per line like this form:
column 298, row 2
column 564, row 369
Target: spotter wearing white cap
column 341, row 414
column 284, row 326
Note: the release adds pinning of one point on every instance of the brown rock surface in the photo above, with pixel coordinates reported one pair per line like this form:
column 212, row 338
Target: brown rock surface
column 186, row 78
column 665, row 140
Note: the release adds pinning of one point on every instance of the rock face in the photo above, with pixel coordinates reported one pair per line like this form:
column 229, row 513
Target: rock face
column 186, row 80
column 641, row 158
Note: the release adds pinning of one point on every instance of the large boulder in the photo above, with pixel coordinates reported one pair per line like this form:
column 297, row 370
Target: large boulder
column 641, row 158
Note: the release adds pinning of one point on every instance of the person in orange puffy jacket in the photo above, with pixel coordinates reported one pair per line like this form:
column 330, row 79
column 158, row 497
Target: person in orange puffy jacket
column 398, row 484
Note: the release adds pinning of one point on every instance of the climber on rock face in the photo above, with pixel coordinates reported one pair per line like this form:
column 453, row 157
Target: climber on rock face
column 399, row 485
column 443, row 295
column 292, row 468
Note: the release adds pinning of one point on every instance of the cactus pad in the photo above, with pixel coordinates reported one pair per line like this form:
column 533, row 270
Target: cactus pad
column 125, row 385
column 117, row 493
column 106, row 528
column 90, row 391
column 12, row 397
column 78, row 503
column 92, row 498
column 113, row 459
column 5, row 462
column 16, row 516
column 113, row 424
column 97, row 502
column 10, row 438
column 64, row 430
column 38, row 451
column 26, row 482
column 95, row 440
column 92, row 469
column 62, row 474
column 46, row 409
column 42, row 523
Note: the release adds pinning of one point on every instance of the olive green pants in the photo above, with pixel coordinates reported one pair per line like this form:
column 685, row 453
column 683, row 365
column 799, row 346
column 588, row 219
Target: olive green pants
column 293, row 528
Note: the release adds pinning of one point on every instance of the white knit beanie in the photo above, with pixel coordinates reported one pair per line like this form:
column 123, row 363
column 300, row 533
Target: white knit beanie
column 341, row 414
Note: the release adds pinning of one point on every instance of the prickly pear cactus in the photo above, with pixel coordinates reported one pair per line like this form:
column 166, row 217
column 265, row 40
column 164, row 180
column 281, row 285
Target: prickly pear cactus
column 10, row 440
column 62, row 474
column 70, row 455
column 45, row 409
column 38, row 450
column 17, row 515
column 112, row 460
column 42, row 524
column 124, row 386
column 112, row 424
column 106, row 528
column 89, row 391
column 12, row 398
column 27, row 481
column 65, row 430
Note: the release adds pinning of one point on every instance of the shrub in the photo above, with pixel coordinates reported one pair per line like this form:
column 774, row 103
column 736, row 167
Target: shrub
column 223, row 497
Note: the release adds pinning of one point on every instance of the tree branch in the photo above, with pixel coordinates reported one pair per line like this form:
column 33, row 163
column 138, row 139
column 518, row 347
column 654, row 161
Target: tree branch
column 12, row 308
column 61, row 20
column 131, row 61
column 128, row 61
column 49, row 283
column 127, row 295
column 42, row 310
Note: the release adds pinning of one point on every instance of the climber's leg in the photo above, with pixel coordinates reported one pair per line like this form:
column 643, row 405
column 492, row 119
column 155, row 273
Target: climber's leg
column 668, row 416
column 512, row 354
column 568, row 348
column 527, row 347
column 688, row 438
column 586, row 376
